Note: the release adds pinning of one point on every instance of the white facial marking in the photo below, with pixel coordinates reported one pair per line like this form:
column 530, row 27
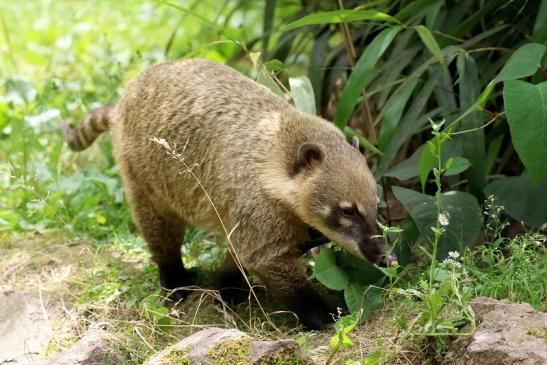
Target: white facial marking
column 325, row 210
column 346, row 205
column 345, row 222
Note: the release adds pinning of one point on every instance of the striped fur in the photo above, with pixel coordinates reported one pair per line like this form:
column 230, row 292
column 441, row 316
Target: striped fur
column 95, row 123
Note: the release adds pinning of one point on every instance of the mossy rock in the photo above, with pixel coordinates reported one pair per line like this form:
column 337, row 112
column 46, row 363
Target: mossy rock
column 217, row 346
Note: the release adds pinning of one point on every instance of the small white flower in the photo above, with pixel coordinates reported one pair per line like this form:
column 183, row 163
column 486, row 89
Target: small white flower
column 443, row 219
column 454, row 254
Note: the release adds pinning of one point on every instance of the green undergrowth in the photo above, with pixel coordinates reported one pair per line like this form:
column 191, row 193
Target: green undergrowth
column 113, row 284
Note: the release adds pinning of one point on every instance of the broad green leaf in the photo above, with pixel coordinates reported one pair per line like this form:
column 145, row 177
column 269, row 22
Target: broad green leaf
column 430, row 43
column 394, row 113
column 456, row 165
column 362, row 272
column 526, row 108
column 409, row 168
column 354, row 296
column 372, row 300
column 339, row 16
column 522, row 198
column 524, row 62
column 302, row 94
column 328, row 272
column 360, row 75
column 358, row 297
column 463, row 209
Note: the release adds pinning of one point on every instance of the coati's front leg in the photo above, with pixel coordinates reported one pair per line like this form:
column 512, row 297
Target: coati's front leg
column 286, row 280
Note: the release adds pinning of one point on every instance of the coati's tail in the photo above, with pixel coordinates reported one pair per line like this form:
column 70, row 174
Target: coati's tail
column 96, row 122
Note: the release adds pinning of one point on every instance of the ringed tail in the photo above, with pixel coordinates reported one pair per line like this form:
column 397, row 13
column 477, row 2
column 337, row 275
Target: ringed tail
column 96, row 122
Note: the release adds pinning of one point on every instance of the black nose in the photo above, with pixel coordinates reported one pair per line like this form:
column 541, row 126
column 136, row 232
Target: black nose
column 388, row 260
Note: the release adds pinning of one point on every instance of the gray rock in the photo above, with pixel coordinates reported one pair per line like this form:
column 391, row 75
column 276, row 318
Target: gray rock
column 92, row 349
column 24, row 327
column 214, row 346
column 507, row 334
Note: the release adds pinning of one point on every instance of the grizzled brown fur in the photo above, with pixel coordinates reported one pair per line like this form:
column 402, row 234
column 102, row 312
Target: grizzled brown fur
column 269, row 168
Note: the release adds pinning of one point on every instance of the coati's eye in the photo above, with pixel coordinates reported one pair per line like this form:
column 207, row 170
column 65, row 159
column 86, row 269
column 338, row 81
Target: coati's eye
column 348, row 211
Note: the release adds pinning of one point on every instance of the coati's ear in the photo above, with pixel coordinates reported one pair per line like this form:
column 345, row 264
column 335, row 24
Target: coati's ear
column 309, row 154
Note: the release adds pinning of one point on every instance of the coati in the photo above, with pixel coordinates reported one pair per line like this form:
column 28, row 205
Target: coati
column 267, row 167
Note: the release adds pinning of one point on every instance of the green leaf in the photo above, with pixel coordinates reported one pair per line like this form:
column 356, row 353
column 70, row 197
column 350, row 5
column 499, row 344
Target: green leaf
column 473, row 143
column 275, row 65
column 427, row 160
column 409, row 168
column 350, row 133
column 523, row 199
column 373, row 359
column 411, row 122
column 464, row 211
column 430, row 43
column 456, row 165
column 394, row 112
column 540, row 27
column 360, row 75
column 269, row 14
column 413, row 8
column 302, row 94
column 338, row 16
column 328, row 272
column 526, row 108
column 524, row 62
column 354, row 296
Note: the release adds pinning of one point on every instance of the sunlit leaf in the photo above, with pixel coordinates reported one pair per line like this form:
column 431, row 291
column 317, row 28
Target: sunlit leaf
column 339, row 16
column 302, row 93
column 430, row 43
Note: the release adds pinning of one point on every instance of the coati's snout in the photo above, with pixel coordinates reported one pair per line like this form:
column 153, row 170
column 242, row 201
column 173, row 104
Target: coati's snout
column 339, row 199
column 376, row 250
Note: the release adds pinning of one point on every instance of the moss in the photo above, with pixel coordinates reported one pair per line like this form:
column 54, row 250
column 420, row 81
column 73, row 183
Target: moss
column 177, row 356
column 289, row 355
column 540, row 333
column 231, row 352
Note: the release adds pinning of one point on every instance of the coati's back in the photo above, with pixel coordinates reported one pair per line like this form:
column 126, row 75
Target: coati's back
column 218, row 119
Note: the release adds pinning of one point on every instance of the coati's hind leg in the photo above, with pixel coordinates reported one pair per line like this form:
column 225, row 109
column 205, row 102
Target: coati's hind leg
column 163, row 233
column 286, row 280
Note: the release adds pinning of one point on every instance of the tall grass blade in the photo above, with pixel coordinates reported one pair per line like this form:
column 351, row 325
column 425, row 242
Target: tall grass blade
column 339, row 16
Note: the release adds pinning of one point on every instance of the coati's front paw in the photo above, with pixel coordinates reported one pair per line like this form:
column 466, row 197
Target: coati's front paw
column 316, row 319
column 312, row 311
column 172, row 277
